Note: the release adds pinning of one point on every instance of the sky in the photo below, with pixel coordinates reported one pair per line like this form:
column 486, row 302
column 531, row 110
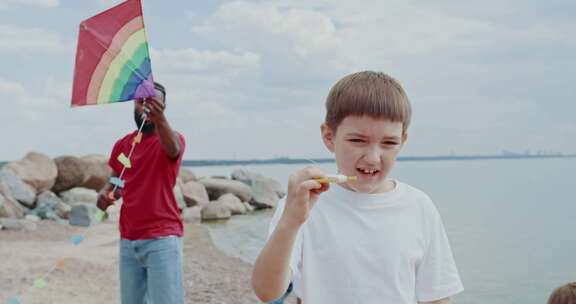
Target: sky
column 248, row 79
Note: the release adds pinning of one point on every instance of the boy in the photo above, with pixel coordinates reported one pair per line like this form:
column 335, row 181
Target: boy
column 565, row 294
column 368, row 240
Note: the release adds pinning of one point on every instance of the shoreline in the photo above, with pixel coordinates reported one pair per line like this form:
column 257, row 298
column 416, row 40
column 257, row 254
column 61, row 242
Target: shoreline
column 90, row 272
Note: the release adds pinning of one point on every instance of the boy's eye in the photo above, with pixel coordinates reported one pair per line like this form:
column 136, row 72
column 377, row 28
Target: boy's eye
column 356, row 140
column 389, row 143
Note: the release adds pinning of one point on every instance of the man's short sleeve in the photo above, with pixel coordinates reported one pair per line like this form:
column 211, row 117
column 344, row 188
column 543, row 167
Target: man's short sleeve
column 296, row 255
column 436, row 275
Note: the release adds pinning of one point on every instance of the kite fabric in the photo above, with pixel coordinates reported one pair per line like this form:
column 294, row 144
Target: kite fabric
column 112, row 57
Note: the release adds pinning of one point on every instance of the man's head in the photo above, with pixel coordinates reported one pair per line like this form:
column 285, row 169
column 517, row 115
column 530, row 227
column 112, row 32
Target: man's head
column 367, row 117
column 149, row 126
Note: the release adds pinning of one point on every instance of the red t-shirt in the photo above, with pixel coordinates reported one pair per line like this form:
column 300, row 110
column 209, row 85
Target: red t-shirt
column 149, row 208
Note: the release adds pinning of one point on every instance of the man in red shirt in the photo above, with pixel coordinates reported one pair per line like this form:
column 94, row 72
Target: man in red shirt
column 150, row 224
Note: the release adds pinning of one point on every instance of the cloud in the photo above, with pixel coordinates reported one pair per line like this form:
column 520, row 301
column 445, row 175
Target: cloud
column 17, row 39
column 6, row 4
column 288, row 41
column 193, row 60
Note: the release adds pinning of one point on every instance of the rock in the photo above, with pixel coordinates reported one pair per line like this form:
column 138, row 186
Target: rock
column 32, row 218
column 113, row 211
column 195, row 194
column 83, row 214
column 9, row 207
column 36, row 169
column 192, row 214
column 186, row 175
column 246, row 177
column 15, row 224
column 50, row 207
column 79, row 195
column 217, row 187
column 97, row 170
column 179, row 196
column 215, row 210
column 18, row 189
column 249, row 208
column 71, row 173
column 233, row 203
column 265, row 191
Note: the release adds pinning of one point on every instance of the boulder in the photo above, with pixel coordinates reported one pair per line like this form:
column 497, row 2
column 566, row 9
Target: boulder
column 71, row 173
column 192, row 214
column 36, row 169
column 18, row 189
column 265, row 191
column 97, row 170
column 186, row 175
column 215, row 210
column 247, row 177
column 79, row 195
column 179, row 196
column 217, row 187
column 83, row 214
column 233, row 203
column 10, row 208
column 50, row 207
column 195, row 194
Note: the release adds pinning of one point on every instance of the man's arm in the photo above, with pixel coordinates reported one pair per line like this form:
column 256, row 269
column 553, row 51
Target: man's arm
column 168, row 137
column 105, row 196
column 441, row 301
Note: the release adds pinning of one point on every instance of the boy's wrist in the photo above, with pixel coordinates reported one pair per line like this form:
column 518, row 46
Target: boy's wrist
column 288, row 225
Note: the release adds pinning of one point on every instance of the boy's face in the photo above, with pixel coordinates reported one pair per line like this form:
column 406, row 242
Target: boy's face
column 365, row 147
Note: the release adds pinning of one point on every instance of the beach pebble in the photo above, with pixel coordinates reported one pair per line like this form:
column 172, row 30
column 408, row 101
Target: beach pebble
column 71, row 173
column 8, row 206
column 79, row 195
column 97, row 171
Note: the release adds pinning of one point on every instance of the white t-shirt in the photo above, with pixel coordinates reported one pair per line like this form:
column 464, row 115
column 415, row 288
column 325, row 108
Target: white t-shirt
column 387, row 247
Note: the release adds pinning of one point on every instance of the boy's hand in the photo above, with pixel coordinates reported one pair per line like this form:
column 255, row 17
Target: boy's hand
column 303, row 192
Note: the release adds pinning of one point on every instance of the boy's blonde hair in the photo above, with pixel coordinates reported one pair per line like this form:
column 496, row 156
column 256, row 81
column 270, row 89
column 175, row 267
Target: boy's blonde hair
column 564, row 295
column 368, row 93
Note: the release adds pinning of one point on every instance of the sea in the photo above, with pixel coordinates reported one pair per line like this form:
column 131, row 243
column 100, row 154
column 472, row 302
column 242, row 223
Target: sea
column 511, row 223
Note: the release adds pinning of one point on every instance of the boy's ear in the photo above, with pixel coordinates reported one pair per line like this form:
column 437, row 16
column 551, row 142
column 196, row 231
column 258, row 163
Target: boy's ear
column 327, row 137
column 404, row 138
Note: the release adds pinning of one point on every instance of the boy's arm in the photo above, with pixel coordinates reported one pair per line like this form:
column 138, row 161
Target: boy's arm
column 271, row 274
column 441, row 301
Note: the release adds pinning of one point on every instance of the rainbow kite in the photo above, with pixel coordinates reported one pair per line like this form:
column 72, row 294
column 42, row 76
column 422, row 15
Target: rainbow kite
column 112, row 58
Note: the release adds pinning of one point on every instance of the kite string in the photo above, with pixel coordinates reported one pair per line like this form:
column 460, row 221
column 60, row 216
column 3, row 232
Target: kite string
column 145, row 117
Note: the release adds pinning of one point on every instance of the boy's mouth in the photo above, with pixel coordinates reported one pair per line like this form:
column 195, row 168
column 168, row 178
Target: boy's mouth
column 367, row 171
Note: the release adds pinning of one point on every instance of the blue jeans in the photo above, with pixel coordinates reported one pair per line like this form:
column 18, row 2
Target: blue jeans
column 151, row 271
column 284, row 296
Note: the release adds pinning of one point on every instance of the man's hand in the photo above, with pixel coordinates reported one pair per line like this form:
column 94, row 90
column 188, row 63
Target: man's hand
column 303, row 192
column 155, row 110
column 105, row 198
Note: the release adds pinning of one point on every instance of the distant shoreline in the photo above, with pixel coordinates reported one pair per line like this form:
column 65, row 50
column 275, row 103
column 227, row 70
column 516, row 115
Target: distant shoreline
column 296, row 161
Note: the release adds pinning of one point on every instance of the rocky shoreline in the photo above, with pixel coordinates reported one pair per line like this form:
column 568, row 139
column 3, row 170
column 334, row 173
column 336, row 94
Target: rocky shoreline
column 64, row 189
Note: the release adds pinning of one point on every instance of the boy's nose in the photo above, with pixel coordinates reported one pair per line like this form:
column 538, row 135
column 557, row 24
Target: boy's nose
column 372, row 156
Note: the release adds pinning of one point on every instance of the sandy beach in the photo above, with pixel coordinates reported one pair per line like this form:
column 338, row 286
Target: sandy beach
column 90, row 272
